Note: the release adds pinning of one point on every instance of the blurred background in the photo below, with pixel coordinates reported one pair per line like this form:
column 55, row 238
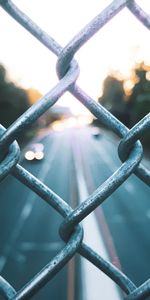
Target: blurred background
column 114, row 64
column 72, row 152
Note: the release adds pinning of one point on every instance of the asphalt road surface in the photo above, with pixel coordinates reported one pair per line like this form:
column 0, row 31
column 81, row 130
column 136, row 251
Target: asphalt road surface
column 124, row 218
column 29, row 227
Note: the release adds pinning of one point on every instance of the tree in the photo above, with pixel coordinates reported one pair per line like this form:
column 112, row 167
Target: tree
column 113, row 99
column 13, row 100
column 139, row 100
column 132, row 108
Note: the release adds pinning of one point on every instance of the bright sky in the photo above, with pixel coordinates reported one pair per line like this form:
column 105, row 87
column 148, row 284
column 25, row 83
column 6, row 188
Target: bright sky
column 117, row 46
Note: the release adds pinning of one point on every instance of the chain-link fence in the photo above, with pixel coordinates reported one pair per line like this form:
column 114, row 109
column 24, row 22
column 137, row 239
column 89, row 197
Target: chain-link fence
column 130, row 152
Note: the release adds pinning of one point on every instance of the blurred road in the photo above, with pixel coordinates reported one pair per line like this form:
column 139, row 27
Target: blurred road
column 124, row 218
column 29, row 228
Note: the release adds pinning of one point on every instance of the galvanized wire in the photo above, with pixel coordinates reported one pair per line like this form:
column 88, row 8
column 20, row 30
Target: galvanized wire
column 130, row 152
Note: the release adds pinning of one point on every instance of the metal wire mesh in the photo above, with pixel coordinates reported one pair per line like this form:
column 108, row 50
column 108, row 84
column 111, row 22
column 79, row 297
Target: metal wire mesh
column 130, row 152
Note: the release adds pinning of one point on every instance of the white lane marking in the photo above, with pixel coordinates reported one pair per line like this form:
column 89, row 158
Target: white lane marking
column 118, row 219
column 130, row 188
column 112, row 166
column 95, row 283
column 50, row 246
column 148, row 213
column 2, row 261
column 106, row 158
column 26, row 211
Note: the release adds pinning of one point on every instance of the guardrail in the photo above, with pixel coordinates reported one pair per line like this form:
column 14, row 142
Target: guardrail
column 130, row 152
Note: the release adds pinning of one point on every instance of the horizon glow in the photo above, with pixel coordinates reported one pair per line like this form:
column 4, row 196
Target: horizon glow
column 117, row 46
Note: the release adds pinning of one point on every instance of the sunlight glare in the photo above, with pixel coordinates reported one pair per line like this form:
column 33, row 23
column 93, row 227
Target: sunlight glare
column 113, row 48
column 72, row 122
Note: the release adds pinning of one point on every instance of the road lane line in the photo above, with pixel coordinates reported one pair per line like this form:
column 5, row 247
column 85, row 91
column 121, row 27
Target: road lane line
column 112, row 166
column 104, row 229
column 50, row 246
column 94, row 282
column 27, row 209
column 71, row 267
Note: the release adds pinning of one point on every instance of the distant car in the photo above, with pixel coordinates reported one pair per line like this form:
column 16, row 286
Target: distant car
column 96, row 132
column 35, row 152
